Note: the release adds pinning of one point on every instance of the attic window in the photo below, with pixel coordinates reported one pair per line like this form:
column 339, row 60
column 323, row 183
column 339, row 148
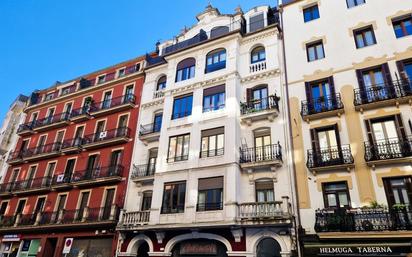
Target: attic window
column 256, row 22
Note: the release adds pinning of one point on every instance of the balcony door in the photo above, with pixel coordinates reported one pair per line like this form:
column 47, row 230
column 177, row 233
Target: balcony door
column 259, row 98
column 129, row 94
column 108, row 203
column 68, row 171
column 40, row 145
column 24, row 145
column 39, row 206
column 84, row 199
column 375, row 83
column 59, row 140
column 320, row 95
column 107, row 100
column 92, row 166
column 115, row 161
column 336, row 195
column 20, row 207
column 78, row 136
column 3, row 208
column 386, row 137
column 398, row 191
column 49, row 118
column 326, row 143
column 263, row 143
column 265, row 197
column 152, row 161
column 146, row 200
column 157, row 122
column 99, row 135
column 59, row 207
column 30, row 176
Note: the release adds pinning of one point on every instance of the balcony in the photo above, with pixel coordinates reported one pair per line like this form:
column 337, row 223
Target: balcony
column 41, row 152
column 389, row 151
column 261, row 158
column 15, row 157
column 134, row 219
column 269, row 212
column 81, row 114
column 25, row 129
column 380, row 95
column 363, row 220
column 330, row 158
column 150, row 132
column 97, row 176
column 106, row 138
column 73, row 145
column 5, row 189
column 322, row 107
column 158, row 93
column 35, row 185
column 113, row 105
column 61, row 182
column 260, row 109
column 88, row 217
column 258, row 66
column 52, row 122
column 144, row 172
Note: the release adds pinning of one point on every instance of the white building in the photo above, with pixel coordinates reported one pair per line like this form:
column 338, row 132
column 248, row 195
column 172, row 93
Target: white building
column 8, row 133
column 349, row 67
column 211, row 172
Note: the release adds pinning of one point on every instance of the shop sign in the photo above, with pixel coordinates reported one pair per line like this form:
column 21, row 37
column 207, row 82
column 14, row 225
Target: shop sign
column 11, row 238
column 199, row 248
column 358, row 250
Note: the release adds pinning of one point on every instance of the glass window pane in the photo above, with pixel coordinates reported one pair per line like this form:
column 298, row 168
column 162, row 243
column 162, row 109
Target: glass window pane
column 369, row 38
column 408, row 27
column 186, row 145
column 220, row 141
column 202, row 198
column 359, row 41
column 311, row 54
column 172, row 147
column 223, row 56
column 398, row 31
column 260, row 196
column 343, row 199
column 179, row 147
column 205, row 143
column 270, row 196
column 319, row 51
column 212, row 142
column 331, row 200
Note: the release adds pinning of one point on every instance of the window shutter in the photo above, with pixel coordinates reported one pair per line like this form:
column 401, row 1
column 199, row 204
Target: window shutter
column 249, row 95
column 389, row 192
column 314, row 138
column 361, row 83
column 308, row 89
column 401, row 70
column 399, row 126
column 264, row 185
column 212, row 132
column 189, row 62
column 409, row 187
column 335, row 126
column 332, row 91
column 210, row 183
column 214, row 90
column 368, row 126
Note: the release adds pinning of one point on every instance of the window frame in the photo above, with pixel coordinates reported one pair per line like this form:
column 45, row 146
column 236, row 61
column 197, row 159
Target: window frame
column 258, row 50
column 355, row 3
column 186, row 72
column 362, row 31
column 219, row 64
column 182, row 157
column 315, row 45
column 310, row 9
column 181, row 114
column 180, row 202
column 400, row 21
column 217, row 151
column 325, row 194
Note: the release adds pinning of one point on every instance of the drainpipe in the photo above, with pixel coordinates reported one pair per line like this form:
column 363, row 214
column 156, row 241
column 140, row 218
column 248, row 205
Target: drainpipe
column 280, row 6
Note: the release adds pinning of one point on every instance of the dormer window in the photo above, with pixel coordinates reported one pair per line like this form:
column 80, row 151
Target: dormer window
column 258, row 55
column 49, row 96
column 137, row 67
column 256, row 22
column 101, row 79
column 121, row 73
column 215, row 60
column 186, row 69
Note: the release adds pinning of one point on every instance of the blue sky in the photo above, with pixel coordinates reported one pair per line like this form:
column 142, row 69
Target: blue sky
column 43, row 41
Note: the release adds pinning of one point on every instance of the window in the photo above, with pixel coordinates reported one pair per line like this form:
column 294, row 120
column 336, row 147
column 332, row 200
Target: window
column 405, row 70
column 60, row 205
column 214, row 98
column 336, row 195
column 311, row 13
column 121, row 73
column 263, row 144
column 182, row 107
column 101, row 79
column 258, row 55
column 257, row 98
column 264, row 191
column 115, row 163
column 178, row 148
column 216, row 60
column 268, row 247
column 107, row 100
column 84, row 200
column 402, row 26
column 3, row 208
column 49, row 96
column 256, row 22
column 68, row 171
column 210, row 196
column 157, row 122
column 326, row 144
column 146, row 200
column 213, row 141
column 20, row 207
column 321, row 95
column 364, row 37
column 137, row 67
column 67, row 90
column 353, row 3
column 161, row 83
column 398, row 190
column 108, row 203
column 174, row 197
column 219, row 31
column 186, row 69
column 374, row 84
column 315, row 51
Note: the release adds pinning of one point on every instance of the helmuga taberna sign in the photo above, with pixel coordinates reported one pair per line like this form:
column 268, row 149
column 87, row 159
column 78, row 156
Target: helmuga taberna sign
column 359, row 250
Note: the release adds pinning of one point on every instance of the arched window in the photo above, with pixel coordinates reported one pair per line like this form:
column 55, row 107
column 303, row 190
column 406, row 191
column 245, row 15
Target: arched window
column 161, row 83
column 185, row 69
column 219, row 31
column 216, row 60
column 268, row 247
column 258, row 54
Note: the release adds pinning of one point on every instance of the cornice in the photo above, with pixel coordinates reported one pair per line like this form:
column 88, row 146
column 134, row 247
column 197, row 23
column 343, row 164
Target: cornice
column 262, row 75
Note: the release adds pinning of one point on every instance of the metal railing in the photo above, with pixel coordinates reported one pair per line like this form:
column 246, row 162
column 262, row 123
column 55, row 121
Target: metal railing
column 380, row 92
column 329, row 156
column 35, row 183
column 178, row 158
column 261, row 153
column 51, row 120
column 114, row 102
column 212, row 153
column 363, row 219
column 61, row 179
column 106, row 135
column 258, row 105
column 391, row 148
column 209, row 206
column 6, row 187
column 44, row 149
column 73, row 142
column 84, row 110
column 321, row 104
column 96, row 173
column 144, row 170
column 150, row 128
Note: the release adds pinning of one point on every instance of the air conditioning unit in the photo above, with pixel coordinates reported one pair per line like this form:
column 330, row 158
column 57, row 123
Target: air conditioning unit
column 60, row 178
column 103, row 134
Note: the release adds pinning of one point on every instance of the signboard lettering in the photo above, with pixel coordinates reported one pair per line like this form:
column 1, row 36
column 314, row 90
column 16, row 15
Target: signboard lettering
column 198, row 248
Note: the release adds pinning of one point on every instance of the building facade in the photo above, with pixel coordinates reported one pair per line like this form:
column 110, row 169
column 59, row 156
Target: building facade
column 211, row 173
column 8, row 136
column 68, row 173
column 349, row 71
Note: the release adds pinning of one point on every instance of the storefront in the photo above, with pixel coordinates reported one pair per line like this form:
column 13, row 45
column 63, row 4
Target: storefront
column 96, row 247
column 14, row 246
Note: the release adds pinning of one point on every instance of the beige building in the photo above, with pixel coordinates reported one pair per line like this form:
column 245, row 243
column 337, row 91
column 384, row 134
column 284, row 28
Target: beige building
column 349, row 71
column 8, row 133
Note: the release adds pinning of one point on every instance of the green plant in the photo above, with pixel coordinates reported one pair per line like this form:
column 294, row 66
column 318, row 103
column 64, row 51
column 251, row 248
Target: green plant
column 399, row 207
column 375, row 205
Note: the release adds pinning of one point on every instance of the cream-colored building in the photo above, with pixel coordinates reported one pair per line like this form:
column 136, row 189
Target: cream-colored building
column 8, row 133
column 349, row 71
column 211, row 171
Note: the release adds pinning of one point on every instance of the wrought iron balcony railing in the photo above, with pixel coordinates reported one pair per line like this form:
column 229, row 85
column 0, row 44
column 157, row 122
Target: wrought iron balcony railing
column 61, row 179
column 258, row 105
column 73, row 142
column 31, row 184
column 114, row 102
column 106, row 135
column 363, row 219
column 51, row 120
column 209, row 206
column 98, row 173
column 380, row 92
column 144, row 170
column 261, row 153
column 85, row 110
column 392, row 148
column 321, row 104
column 212, row 152
column 330, row 156
column 44, row 149
column 6, row 187
column 150, row 128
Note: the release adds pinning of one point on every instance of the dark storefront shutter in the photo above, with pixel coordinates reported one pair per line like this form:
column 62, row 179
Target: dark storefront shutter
column 210, row 183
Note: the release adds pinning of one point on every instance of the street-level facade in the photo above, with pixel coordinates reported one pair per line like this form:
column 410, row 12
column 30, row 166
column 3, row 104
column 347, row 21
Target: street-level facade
column 349, row 71
column 68, row 173
column 8, row 136
column 211, row 173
